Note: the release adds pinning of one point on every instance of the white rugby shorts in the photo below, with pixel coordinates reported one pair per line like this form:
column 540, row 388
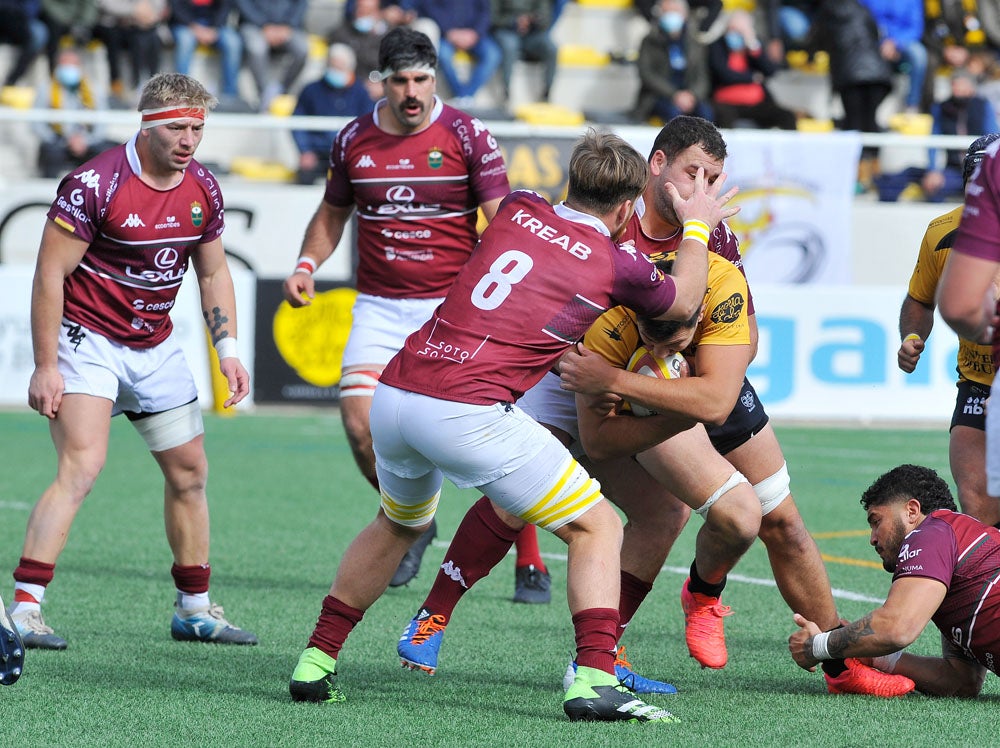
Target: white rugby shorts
column 419, row 440
column 380, row 326
column 139, row 380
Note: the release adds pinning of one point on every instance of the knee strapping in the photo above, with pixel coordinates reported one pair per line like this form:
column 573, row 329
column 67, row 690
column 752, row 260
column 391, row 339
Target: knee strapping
column 410, row 515
column 171, row 428
column 773, row 490
column 359, row 383
column 734, row 480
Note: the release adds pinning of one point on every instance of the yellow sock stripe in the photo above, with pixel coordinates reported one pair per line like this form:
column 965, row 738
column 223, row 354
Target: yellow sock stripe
column 406, row 514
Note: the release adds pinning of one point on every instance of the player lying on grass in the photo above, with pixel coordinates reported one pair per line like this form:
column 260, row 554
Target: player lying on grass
column 945, row 567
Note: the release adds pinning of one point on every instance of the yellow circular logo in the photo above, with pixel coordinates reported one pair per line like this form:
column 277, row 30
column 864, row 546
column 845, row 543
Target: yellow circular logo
column 311, row 339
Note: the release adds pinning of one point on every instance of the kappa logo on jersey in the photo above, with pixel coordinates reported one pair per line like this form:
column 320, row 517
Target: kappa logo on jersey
column 728, row 310
column 133, row 222
column 91, row 180
column 365, row 162
column 628, row 246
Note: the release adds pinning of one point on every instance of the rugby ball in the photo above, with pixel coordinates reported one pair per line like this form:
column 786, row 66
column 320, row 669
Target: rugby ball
column 644, row 362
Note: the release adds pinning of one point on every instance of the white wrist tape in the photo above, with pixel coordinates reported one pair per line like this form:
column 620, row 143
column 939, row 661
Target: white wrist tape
column 820, row 652
column 226, row 348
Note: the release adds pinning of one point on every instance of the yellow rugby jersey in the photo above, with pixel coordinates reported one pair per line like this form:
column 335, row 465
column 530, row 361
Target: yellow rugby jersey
column 616, row 337
column 974, row 360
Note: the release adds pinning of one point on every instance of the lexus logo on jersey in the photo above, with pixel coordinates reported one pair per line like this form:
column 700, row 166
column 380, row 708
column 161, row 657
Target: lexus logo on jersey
column 400, row 193
column 197, row 213
column 166, row 258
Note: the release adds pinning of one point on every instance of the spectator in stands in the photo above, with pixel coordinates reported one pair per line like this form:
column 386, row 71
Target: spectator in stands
column 337, row 94
column 21, row 27
column 521, row 28
column 673, row 69
column 206, row 23
column 65, row 146
column 965, row 112
column 858, row 72
column 273, row 26
column 955, row 31
column 901, row 26
column 362, row 29
column 464, row 27
column 788, row 23
column 739, row 70
column 132, row 26
column 73, row 19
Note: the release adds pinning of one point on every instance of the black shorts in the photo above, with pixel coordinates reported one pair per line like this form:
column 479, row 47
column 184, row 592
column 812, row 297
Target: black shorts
column 747, row 419
column 970, row 405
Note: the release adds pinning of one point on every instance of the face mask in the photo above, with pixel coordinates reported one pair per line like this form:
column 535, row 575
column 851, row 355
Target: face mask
column 336, row 78
column 734, row 39
column 364, row 24
column 69, row 75
column 671, row 22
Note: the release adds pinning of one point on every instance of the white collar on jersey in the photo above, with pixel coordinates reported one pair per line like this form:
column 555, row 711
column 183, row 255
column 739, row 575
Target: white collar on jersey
column 435, row 111
column 564, row 211
column 133, row 155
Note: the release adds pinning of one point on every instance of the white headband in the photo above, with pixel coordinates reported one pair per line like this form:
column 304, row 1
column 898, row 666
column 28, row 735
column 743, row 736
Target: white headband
column 377, row 76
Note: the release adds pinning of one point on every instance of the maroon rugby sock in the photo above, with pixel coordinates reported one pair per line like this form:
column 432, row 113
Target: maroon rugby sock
column 480, row 543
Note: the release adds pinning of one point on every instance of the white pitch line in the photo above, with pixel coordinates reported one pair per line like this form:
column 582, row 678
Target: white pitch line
column 684, row 571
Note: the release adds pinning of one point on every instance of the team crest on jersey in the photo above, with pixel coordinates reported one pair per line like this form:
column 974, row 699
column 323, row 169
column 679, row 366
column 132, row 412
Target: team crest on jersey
column 435, row 158
column 197, row 213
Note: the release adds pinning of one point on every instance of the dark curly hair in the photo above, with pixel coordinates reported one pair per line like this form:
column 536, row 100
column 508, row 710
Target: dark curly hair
column 684, row 131
column 910, row 482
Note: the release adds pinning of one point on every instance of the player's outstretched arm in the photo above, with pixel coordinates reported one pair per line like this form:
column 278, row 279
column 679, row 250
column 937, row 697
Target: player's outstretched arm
column 699, row 213
column 218, row 306
column 966, row 296
column 915, row 322
column 323, row 233
column 59, row 255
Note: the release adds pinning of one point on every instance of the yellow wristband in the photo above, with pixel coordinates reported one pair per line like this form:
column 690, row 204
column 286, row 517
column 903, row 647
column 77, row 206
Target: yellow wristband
column 697, row 230
column 912, row 336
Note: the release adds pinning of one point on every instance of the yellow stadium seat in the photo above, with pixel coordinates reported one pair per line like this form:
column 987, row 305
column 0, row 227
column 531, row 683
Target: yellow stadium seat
column 17, row 97
column 911, row 123
column 619, row 4
column 257, row 169
column 543, row 113
column 808, row 124
column 577, row 55
column 282, row 106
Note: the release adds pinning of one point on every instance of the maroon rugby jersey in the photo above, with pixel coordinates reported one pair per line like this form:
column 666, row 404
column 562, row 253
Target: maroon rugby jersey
column 722, row 241
column 979, row 233
column 417, row 197
column 964, row 555
column 140, row 241
column 538, row 279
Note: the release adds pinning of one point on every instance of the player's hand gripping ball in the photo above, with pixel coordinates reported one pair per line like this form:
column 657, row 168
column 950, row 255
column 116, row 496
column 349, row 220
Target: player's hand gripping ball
column 644, row 362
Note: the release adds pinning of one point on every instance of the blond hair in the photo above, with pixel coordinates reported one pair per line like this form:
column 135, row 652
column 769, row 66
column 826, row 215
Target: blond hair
column 167, row 89
column 604, row 172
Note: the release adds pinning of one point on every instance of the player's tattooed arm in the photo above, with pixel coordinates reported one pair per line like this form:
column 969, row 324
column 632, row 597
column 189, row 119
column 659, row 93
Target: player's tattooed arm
column 841, row 639
column 217, row 319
